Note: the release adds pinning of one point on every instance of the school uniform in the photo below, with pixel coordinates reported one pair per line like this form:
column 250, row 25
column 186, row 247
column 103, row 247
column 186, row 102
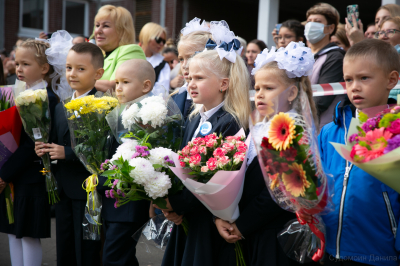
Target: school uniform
column 161, row 69
column 31, row 203
column 120, row 224
column 203, row 245
column 70, row 174
column 183, row 101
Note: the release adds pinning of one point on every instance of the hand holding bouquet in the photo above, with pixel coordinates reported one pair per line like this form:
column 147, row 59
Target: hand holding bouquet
column 90, row 137
column 33, row 107
column 373, row 144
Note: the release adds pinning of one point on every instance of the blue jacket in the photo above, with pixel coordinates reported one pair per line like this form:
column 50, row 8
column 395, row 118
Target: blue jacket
column 363, row 226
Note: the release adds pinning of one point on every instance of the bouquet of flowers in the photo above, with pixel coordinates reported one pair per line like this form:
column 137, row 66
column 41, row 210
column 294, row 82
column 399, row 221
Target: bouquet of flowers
column 33, row 107
column 151, row 119
column 373, row 144
column 10, row 132
column 90, row 137
column 289, row 158
column 212, row 169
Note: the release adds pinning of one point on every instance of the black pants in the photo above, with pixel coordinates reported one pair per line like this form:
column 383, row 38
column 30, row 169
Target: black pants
column 120, row 248
column 330, row 260
column 71, row 248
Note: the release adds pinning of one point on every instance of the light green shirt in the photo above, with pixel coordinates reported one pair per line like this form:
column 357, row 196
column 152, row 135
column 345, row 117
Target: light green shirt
column 118, row 56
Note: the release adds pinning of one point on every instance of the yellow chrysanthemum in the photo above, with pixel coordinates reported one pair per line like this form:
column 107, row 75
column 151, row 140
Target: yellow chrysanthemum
column 281, row 131
column 296, row 182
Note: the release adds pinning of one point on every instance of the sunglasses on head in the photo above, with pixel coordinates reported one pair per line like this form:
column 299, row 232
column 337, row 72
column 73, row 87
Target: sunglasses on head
column 160, row 40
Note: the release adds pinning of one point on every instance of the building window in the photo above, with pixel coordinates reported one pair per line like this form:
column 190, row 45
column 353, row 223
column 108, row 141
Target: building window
column 76, row 17
column 33, row 17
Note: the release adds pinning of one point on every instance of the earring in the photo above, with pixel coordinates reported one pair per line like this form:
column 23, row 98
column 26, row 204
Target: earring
column 290, row 102
column 220, row 90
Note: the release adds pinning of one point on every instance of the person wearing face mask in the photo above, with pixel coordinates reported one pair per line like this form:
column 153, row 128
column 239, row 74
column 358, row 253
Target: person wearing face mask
column 322, row 22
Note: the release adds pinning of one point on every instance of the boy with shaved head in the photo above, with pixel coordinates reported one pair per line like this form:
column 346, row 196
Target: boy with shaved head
column 134, row 79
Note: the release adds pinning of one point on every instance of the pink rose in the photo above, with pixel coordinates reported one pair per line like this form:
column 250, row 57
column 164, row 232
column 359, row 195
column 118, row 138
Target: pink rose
column 211, row 136
column 219, row 152
column 210, row 143
column 204, row 169
column 228, row 146
column 186, row 160
column 222, row 161
column 241, row 147
column 238, row 157
column 202, row 150
column 195, row 160
column 181, row 158
column 186, row 150
column 198, row 141
column 183, row 164
column 394, row 127
column 194, row 150
column 212, row 163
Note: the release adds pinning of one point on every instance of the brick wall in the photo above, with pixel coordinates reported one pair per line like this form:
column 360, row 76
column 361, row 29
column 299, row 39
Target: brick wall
column 11, row 23
column 55, row 15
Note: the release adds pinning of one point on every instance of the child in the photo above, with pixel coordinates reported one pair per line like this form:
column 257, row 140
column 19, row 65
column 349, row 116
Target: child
column 193, row 39
column 83, row 67
column 221, row 89
column 261, row 219
column 31, row 203
column 362, row 228
column 134, row 79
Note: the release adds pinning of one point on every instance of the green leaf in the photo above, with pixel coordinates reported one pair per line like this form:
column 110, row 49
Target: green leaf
column 109, row 173
column 157, row 166
column 160, row 202
column 36, row 110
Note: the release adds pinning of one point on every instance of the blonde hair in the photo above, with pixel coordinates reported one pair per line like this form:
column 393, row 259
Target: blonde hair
column 393, row 9
column 236, row 97
column 39, row 50
column 301, row 83
column 149, row 32
column 123, row 22
column 395, row 20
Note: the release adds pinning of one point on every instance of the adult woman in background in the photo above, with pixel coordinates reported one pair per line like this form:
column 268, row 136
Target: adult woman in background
column 253, row 48
column 340, row 38
column 322, row 22
column 152, row 39
column 115, row 35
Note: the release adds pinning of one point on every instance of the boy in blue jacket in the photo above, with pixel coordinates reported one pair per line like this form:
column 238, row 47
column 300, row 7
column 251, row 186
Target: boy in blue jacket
column 362, row 229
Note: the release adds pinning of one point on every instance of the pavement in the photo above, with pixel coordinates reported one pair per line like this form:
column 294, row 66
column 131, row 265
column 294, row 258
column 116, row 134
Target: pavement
column 147, row 255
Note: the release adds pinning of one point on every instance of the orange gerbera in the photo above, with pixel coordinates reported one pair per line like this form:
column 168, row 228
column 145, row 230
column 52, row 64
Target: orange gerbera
column 296, row 182
column 281, row 131
column 274, row 180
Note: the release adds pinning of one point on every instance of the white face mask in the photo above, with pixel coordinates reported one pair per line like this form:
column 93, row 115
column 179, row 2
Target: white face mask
column 314, row 32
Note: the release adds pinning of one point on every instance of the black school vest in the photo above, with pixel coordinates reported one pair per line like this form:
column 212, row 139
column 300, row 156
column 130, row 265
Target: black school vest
column 158, row 69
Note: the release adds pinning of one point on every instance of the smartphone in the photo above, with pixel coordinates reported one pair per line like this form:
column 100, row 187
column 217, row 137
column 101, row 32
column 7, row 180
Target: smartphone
column 352, row 9
column 278, row 27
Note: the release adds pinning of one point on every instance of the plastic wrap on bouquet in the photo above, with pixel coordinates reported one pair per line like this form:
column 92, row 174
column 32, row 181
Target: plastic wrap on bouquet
column 373, row 144
column 33, row 106
column 154, row 119
column 286, row 143
column 90, row 140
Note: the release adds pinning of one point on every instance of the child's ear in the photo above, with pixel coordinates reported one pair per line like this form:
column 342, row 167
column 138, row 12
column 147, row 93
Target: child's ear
column 393, row 79
column 224, row 84
column 99, row 73
column 146, row 86
column 45, row 68
column 294, row 91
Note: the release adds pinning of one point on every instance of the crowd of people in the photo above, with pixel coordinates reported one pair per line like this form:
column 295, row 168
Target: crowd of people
column 209, row 87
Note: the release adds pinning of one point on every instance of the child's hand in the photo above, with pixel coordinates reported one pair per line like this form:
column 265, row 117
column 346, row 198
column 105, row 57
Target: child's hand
column 173, row 217
column 39, row 148
column 177, row 82
column 225, row 229
column 235, row 230
column 2, row 185
column 55, row 151
column 169, row 208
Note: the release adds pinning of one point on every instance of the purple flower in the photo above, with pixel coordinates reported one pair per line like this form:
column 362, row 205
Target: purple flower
column 115, row 204
column 353, row 137
column 115, row 182
column 119, row 192
column 112, row 195
column 136, row 154
column 369, row 125
column 123, row 194
column 145, row 153
column 393, row 143
column 114, row 167
column 166, row 158
column 107, row 193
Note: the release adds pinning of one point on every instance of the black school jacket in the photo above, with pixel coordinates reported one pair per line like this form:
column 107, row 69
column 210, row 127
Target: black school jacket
column 70, row 172
column 24, row 165
column 203, row 245
column 181, row 102
column 134, row 211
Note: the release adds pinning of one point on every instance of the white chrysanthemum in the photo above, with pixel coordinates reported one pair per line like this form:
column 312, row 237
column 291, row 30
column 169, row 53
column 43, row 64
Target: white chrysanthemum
column 153, row 113
column 158, row 186
column 153, row 99
column 157, row 155
column 126, row 150
column 143, row 172
column 129, row 116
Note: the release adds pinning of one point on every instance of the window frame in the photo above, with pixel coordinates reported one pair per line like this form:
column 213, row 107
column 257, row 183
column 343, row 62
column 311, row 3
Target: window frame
column 86, row 17
column 31, row 32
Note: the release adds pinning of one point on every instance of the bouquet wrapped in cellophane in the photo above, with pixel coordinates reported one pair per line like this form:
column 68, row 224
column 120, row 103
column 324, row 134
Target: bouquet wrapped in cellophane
column 90, row 140
column 286, row 143
column 10, row 132
column 212, row 169
column 373, row 144
column 33, row 106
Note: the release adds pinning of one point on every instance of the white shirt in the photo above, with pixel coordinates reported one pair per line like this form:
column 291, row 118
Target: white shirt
column 39, row 85
column 204, row 116
column 83, row 95
column 183, row 89
column 163, row 78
